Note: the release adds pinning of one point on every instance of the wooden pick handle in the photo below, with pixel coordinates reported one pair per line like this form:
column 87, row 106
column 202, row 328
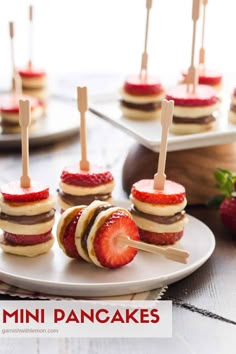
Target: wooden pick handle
column 167, row 109
column 30, row 62
column 202, row 56
column 82, row 101
column 171, row 253
column 192, row 77
column 11, row 29
column 17, row 85
column 31, row 9
column 144, row 62
column 11, row 34
column 24, row 121
column 16, row 79
column 195, row 10
column 149, row 4
column 202, row 49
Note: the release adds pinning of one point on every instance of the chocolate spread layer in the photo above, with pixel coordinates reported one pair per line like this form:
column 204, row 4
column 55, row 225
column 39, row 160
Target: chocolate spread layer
column 166, row 220
column 7, row 123
column 28, row 220
column 147, row 107
column 200, row 120
column 83, row 199
column 86, row 232
column 233, row 108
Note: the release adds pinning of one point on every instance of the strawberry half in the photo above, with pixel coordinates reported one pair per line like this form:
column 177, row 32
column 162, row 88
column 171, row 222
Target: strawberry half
column 144, row 191
column 23, row 240
column 108, row 252
column 94, row 177
column 13, row 192
column 160, row 239
column 68, row 238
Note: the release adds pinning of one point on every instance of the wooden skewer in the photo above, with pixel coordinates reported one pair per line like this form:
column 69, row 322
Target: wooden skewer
column 24, row 121
column 171, row 253
column 16, row 79
column 202, row 49
column 30, row 63
column 82, row 102
column 192, row 77
column 167, row 109
column 144, row 61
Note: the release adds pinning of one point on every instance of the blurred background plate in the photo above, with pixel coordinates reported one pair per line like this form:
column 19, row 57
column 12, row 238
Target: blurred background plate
column 60, row 123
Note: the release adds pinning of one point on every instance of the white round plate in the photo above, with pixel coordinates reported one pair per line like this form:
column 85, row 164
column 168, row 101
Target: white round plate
column 60, row 123
column 56, row 274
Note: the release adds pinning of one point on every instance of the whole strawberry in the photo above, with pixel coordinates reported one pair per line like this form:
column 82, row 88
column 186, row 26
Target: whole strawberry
column 228, row 213
column 226, row 182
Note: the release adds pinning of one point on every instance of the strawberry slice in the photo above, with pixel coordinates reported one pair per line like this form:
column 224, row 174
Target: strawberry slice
column 9, row 104
column 23, row 240
column 31, row 73
column 160, row 239
column 208, row 77
column 94, row 177
column 144, row 191
column 68, row 238
column 13, row 192
column 108, row 252
column 140, row 87
column 204, row 96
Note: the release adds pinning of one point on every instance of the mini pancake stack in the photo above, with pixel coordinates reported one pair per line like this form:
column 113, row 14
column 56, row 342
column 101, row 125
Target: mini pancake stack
column 27, row 218
column 34, row 83
column 79, row 187
column 9, row 109
column 232, row 111
column 90, row 233
column 141, row 98
column 208, row 77
column 193, row 112
column 159, row 215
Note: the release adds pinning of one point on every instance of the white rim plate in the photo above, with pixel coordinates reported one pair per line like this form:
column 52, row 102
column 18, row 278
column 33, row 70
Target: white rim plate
column 54, row 273
column 60, row 123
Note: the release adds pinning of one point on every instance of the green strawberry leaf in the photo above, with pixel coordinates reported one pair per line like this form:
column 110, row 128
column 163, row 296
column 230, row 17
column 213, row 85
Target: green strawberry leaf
column 215, row 201
column 226, row 181
column 227, row 172
column 220, row 176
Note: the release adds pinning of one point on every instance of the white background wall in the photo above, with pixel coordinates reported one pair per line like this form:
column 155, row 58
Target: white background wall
column 107, row 35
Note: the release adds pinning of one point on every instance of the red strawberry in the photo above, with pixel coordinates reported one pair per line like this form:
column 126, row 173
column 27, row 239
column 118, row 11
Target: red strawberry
column 226, row 182
column 144, row 191
column 228, row 213
column 136, row 86
column 160, row 239
column 109, row 253
column 31, row 73
column 12, row 192
column 69, row 237
column 208, row 77
column 92, row 178
column 23, row 240
column 10, row 105
column 204, row 96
